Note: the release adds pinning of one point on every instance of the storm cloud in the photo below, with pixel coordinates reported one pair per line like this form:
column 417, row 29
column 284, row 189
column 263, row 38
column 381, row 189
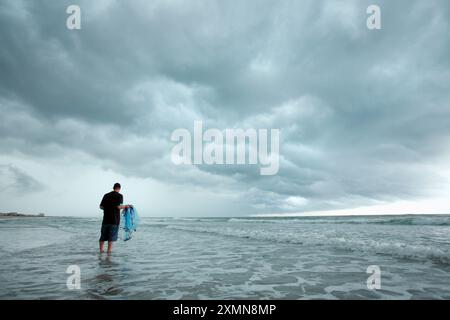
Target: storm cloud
column 364, row 115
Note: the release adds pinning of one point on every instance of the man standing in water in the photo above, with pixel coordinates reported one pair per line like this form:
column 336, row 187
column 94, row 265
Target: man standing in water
column 111, row 205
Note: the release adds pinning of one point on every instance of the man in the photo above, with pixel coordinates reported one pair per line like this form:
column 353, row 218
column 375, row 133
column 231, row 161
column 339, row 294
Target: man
column 111, row 205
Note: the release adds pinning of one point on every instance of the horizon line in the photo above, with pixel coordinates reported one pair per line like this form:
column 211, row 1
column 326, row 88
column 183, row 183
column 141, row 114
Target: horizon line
column 262, row 216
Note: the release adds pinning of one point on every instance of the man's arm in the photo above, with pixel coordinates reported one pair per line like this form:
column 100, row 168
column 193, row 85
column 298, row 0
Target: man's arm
column 102, row 203
column 121, row 206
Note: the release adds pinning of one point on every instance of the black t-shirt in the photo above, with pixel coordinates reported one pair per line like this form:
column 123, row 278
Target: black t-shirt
column 110, row 202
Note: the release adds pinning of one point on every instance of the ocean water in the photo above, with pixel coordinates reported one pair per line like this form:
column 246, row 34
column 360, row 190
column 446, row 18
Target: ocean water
column 229, row 258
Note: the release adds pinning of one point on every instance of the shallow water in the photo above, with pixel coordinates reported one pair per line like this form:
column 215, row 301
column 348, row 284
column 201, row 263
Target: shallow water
column 222, row 258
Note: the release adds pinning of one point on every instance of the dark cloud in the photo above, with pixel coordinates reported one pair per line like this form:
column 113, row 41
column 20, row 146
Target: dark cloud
column 363, row 114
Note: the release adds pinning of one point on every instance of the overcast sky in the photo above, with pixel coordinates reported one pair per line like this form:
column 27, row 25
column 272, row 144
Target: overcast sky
column 364, row 115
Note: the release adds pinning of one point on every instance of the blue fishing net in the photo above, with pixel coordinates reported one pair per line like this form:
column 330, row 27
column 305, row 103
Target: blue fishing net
column 128, row 223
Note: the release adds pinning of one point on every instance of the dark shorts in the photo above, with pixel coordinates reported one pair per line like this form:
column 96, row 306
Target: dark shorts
column 109, row 232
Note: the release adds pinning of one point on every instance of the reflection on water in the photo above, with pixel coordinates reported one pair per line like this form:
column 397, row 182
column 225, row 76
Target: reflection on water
column 106, row 283
column 106, row 260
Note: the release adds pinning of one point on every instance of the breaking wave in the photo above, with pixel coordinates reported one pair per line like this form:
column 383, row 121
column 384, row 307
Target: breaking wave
column 392, row 247
column 443, row 220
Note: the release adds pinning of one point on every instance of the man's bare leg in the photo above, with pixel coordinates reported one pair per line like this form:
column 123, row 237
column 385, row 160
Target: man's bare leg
column 102, row 244
column 110, row 245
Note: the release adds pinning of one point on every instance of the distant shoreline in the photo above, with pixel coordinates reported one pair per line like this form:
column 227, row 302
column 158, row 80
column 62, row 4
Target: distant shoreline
column 11, row 215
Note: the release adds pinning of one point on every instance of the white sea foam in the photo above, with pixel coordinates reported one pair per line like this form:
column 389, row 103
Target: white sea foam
column 432, row 220
column 349, row 241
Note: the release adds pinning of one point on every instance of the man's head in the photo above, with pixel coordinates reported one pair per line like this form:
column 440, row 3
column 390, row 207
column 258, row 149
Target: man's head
column 116, row 187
